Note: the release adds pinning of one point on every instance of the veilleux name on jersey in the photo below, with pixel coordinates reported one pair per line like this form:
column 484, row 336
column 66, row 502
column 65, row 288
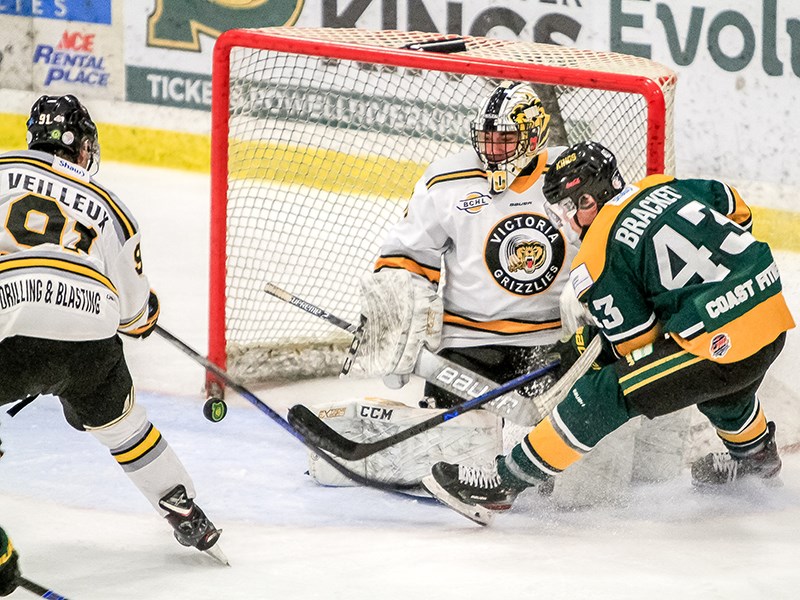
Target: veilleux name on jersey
column 65, row 194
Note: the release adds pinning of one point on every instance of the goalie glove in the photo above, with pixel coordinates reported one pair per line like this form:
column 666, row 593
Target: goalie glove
column 403, row 313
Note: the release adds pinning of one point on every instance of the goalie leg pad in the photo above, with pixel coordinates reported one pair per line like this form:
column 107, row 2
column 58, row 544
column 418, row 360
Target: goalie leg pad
column 474, row 437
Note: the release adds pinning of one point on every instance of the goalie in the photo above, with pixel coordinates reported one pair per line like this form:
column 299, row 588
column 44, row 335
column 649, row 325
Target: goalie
column 479, row 217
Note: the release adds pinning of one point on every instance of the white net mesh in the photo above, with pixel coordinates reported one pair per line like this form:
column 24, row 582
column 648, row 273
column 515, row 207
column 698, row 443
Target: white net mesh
column 324, row 153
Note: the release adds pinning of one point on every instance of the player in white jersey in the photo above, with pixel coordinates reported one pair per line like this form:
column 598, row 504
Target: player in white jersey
column 477, row 225
column 71, row 278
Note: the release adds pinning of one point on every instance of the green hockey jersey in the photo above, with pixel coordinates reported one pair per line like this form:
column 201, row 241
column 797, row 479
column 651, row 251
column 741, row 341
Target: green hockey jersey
column 677, row 256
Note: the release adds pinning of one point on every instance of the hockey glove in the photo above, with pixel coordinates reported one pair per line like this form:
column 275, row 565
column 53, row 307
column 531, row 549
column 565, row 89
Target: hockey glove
column 404, row 313
column 569, row 350
column 9, row 565
column 153, row 311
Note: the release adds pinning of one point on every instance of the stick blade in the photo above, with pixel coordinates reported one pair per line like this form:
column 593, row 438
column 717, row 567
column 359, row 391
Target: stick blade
column 311, row 427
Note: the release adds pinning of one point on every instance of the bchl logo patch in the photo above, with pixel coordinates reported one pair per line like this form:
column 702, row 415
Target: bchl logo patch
column 720, row 344
column 473, row 203
column 524, row 253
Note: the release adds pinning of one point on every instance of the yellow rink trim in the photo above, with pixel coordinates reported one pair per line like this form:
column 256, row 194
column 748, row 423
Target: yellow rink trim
column 322, row 169
column 779, row 228
column 368, row 175
column 127, row 144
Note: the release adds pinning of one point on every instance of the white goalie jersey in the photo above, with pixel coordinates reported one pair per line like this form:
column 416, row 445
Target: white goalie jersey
column 502, row 262
column 70, row 262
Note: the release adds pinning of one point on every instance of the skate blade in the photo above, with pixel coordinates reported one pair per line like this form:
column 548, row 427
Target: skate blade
column 217, row 554
column 474, row 512
column 737, row 486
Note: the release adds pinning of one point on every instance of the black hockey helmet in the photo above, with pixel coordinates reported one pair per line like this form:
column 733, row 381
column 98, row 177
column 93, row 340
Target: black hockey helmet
column 61, row 124
column 585, row 168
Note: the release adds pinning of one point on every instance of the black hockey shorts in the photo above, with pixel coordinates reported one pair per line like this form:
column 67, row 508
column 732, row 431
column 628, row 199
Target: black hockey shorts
column 90, row 378
column 669, row 378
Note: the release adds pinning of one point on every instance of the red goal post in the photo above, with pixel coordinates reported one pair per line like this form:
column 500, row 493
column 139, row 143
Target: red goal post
column 318, row 136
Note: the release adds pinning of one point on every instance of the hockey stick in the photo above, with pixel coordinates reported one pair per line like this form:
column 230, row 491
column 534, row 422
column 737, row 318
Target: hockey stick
column 35, row 588
column 439, row 371
column 313, row 428
column 267, row 410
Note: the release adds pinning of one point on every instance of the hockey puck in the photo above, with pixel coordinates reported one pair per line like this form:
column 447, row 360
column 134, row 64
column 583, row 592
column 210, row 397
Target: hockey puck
column 215, row 409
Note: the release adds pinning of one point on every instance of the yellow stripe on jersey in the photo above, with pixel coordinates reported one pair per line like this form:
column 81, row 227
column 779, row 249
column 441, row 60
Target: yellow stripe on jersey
column 466, row 174
column 148, row 443
column 551, row 447
column 595, row 245
column 523, row 182
column 58, row 265
column 126, row 223
column 741, row 212
column 503, row 326
column 754, row 430
column 133, row 320
column 403, row 262
column 747, row 334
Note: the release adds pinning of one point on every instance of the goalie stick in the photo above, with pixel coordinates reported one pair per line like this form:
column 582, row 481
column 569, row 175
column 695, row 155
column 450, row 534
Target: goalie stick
column 458, row 380
column 313, row 428
column 272, row 414
column 433, row 368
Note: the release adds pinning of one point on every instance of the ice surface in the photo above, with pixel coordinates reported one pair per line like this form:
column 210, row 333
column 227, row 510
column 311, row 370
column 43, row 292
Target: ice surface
column 84, row 530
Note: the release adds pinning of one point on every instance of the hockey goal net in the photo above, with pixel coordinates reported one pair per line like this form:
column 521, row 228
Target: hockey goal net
column 319, row 135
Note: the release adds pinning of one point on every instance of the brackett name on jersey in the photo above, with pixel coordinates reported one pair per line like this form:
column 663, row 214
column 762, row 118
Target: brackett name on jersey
column 630, row 229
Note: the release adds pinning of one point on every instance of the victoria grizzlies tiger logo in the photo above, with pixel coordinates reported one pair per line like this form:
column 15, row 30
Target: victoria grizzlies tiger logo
column 524, row 253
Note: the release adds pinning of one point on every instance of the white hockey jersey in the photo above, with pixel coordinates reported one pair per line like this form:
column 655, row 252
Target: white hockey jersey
column 70, row 261
column 502, row 262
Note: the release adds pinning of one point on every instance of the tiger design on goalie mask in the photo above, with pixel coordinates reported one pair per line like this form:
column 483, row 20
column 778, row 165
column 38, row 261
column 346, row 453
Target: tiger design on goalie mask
column 527, row 256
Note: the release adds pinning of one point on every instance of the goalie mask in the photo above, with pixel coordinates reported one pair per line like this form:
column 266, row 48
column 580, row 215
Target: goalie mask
column 585, row 169
column 509, row 131
column 61, row 124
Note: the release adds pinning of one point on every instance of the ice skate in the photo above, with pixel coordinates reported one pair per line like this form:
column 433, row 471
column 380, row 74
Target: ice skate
column 475, row 493
column 722, row 468
column 192, row 527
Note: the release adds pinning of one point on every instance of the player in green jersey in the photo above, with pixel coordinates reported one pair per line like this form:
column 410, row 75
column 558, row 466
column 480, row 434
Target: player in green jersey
column 690, row 310
column 9, row 569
